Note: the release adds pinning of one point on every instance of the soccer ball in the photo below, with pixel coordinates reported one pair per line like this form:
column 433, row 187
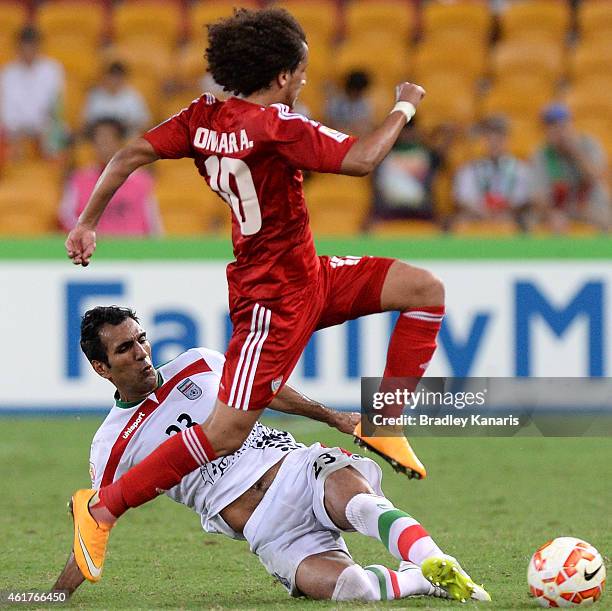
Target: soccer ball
column 566, row 572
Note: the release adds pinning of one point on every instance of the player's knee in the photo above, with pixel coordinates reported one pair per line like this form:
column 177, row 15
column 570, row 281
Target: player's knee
column 410, row 287
column 353, row 584
column 429, row 290
column 364, row 509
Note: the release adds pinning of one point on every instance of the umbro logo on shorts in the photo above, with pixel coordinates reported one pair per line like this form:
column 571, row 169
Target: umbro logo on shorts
column 276, row 383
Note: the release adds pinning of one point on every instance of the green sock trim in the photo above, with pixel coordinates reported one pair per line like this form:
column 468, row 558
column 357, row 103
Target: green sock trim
column 382, row 581
column 385, row 521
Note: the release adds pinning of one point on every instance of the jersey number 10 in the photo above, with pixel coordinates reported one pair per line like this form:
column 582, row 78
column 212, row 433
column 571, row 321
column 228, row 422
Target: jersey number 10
column 244, row 203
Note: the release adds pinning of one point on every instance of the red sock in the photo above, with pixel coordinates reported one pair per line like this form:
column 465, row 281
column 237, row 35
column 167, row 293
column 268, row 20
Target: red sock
column 412, row 345
column 161, row 470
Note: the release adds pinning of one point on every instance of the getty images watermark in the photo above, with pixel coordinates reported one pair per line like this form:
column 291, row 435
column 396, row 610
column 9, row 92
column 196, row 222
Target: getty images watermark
column 487, row 406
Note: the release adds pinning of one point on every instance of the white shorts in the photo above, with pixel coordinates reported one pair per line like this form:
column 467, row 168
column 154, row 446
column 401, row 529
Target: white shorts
column 290, row 523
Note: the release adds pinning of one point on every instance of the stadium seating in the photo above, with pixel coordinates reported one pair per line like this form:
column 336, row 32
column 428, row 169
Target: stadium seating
column 160, row 23
column 74, row 102
column 83, row 154
column 450, row 99
column 319, row 18
column 457, row 22
column 535, row 20
column 163, row 43
column 143, row 59
column 13, row 16
column 385, row 18
column 401, row 228
column 26, row 222
column 338, row 205
column 204, row 12
column 592, row 58
column 575, row 229
column 80, row 57
column 29, row 193
column 150, row 86
column 513, row 97
column 598, row 127
column 7, row 48
column 187, row 205
column 365, row 55
column 432, row 59
column 174, row 103
column 485, row 228
column 526, row 135
column 81, row 20
column 586, row 102
column 519, row 57
column 595, row 20
column 189, row 62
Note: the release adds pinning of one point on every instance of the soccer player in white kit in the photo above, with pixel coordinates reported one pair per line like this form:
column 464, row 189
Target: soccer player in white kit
column 289, row 501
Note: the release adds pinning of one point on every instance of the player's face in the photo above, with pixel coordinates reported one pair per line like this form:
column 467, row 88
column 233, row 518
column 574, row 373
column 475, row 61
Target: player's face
column 129, row 356
column 296, row 80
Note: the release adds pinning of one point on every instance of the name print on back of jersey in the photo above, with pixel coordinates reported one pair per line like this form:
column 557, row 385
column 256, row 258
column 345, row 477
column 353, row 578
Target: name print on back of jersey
column 226, row 142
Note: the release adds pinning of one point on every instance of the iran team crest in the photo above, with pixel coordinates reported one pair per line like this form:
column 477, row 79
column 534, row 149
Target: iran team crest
column 190, row 389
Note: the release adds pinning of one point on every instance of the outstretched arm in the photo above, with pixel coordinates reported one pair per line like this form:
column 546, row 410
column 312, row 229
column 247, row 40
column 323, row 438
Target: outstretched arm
column 290, row 401
column 370, row 150
column 81, row 241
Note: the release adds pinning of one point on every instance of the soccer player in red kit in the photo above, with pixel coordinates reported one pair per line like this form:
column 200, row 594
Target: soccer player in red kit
column 251, row 149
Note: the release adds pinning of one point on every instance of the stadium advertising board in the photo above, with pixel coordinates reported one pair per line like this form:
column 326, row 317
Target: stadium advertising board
column 505, row 318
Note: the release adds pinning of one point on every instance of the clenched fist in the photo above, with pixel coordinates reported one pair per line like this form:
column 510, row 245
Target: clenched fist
column 409, row 92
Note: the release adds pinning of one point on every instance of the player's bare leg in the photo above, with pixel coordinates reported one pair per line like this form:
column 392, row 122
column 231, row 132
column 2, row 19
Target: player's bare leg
column 352, row 504
column 419, row 297
column 335, row 576
column 70, row 578
column 94, row 514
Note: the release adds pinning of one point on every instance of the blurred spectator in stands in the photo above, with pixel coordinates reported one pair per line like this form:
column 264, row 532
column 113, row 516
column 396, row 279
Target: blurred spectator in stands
column 403, row 182
column 350, row 110
column 115, row 97
column 31, row 89
column 569, row 174
column 133, row 210
column 494, row 187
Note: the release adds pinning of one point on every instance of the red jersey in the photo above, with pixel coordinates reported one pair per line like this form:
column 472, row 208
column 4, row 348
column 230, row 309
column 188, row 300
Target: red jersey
column 251, row 156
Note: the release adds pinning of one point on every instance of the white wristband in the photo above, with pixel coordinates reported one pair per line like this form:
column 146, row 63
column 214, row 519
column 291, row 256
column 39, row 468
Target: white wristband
column 406, row 108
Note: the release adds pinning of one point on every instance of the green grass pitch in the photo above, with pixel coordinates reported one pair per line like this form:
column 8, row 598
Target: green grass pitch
column 490, row 502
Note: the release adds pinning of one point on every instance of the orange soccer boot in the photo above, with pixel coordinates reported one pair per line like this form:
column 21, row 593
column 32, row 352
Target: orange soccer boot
column 394, row 449
column 90, row 537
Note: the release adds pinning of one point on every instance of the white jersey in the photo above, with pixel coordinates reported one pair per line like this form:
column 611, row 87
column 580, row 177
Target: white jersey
column 185, row 396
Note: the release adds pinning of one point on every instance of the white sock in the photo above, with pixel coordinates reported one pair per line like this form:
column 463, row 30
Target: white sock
column 354, row 584
column 375, row 516
column 390, row 584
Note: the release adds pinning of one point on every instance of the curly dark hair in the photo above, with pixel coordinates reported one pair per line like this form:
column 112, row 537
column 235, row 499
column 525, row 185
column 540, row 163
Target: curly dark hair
column 247, row 51
column 91, row 323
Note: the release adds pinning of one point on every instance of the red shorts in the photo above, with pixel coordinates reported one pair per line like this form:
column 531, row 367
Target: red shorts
column 269, row 338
